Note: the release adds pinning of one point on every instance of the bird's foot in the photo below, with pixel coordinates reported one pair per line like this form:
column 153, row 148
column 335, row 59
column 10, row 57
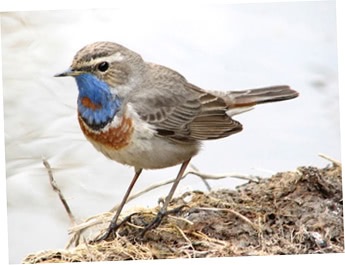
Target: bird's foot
column 112, row 229
column 159, row 218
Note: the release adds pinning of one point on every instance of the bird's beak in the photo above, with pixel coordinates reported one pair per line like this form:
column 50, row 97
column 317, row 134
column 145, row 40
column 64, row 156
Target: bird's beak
column 69, row 72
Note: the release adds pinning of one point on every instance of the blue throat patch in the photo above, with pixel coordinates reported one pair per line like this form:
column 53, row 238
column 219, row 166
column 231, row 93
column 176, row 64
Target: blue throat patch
column 96, row 105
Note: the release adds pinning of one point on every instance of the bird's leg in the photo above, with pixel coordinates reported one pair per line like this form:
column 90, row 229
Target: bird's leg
column 164, row 210
column 113, row 224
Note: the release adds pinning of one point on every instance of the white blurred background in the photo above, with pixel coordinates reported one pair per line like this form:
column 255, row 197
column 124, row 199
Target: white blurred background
column 219, row 46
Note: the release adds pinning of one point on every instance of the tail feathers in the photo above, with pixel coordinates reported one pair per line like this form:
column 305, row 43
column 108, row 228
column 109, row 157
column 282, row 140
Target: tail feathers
column 252, row 97
column 245, row 100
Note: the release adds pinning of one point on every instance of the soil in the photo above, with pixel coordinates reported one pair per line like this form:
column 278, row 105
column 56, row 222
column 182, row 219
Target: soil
column 298, row 212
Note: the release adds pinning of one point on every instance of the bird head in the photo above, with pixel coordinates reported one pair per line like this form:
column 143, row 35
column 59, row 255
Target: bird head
column 105, row 73
column 120, row 68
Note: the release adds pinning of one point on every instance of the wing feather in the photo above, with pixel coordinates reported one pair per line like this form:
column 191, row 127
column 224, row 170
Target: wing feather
column 186, row 113
column 181, row 111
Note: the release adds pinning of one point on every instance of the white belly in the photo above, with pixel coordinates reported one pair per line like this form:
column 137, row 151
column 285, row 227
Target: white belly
column 148, row 151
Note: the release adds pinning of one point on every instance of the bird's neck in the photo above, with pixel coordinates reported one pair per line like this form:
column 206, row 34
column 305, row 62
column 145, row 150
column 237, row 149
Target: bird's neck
column 97, row 106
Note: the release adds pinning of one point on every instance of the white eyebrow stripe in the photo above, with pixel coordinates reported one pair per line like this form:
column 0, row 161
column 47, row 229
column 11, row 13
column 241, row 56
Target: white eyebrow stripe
column 116, row 57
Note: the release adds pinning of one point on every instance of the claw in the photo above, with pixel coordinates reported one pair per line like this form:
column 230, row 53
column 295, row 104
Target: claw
column 159, row 218
column 112, row 229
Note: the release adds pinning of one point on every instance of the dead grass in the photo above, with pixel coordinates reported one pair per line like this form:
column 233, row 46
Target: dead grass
column 290, row 213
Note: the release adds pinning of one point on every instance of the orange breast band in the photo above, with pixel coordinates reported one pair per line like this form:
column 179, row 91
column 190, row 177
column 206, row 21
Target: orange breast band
column 116, row 138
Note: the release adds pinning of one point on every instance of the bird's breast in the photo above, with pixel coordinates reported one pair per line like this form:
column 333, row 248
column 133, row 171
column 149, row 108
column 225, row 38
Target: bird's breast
column 129, row 140
column 113, row 137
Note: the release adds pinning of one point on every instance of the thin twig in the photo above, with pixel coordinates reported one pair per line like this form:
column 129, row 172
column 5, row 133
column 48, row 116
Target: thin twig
column 187, row 239
column 181, row 219
column 203, row 236
column 58, row 191
column 192, row 169
column 256, row 227
column 76, row 237
column 91, row 221
column 334, row 161
column 223, row 176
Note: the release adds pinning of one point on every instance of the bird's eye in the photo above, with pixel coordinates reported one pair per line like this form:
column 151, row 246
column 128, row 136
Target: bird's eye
column 103, row 66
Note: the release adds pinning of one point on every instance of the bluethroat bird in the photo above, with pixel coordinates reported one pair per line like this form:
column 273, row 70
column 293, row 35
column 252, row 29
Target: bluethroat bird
column 149, row 116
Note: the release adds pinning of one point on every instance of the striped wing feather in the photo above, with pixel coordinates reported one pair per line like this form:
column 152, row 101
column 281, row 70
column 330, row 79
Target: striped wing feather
column 198, row 116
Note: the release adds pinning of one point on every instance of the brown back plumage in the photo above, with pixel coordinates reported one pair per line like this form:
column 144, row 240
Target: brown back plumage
column 186, row 113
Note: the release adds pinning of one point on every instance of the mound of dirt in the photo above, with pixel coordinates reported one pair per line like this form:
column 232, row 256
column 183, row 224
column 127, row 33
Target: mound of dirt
column 297, row 212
